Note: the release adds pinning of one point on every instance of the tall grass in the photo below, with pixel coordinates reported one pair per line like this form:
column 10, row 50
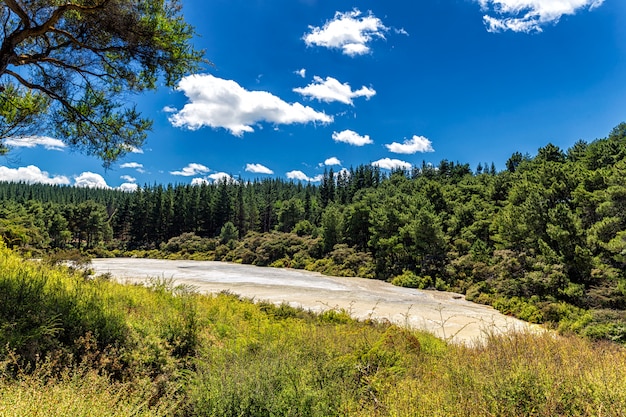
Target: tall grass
column 92, row 347
column 518, row 375
column 45, row 310
column 80, row 394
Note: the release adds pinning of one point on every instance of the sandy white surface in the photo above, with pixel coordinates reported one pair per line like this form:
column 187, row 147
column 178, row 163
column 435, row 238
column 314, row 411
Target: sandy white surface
column 445, row 314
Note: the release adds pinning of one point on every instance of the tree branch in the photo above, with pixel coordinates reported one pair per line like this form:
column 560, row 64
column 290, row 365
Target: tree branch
column 19, row 11
column 31, row 32
column 36, row 59
column 41, row 88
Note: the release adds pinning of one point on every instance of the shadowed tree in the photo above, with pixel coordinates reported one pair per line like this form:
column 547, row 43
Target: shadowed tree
column 513, row 162
column 67, row 68
column 289, row 214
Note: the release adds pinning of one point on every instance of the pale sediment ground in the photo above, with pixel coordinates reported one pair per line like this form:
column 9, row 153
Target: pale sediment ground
column 447, row 315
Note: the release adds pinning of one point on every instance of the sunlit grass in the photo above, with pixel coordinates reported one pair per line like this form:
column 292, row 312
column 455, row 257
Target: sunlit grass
column 93, row 347
column 79, row 394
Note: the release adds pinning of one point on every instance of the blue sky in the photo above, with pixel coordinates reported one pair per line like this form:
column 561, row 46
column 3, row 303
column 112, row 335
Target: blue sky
column 299, row 86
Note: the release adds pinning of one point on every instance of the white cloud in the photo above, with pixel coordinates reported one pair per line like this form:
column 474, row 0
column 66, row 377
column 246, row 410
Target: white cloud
column 216, row 177
column 411, row 146
column 330, row 89
column 529, row 15
column 31, row 175
column 332, row 161
column 191, row 170
column 90, row 180
column 221, row 176
column 401, row 31
column 344, row 171
column 216, row 102
column 387, row 163
column 128, row 178
column 199, row 181
column 301, row 72
column 301, row 176
column 129, row 187
column 352, row 138
column 348, row 31
column 133, row 165
column 258, row 169
column 33, row 141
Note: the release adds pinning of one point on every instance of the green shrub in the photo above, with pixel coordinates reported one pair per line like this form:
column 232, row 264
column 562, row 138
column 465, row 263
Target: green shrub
column 43, row 311
column 281, row 263
column 188, row 243
column 524, row 309
column 410, row 280
column 304, row 228
column 178, row 353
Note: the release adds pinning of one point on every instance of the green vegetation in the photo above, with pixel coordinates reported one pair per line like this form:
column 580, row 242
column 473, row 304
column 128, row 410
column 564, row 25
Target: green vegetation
column 544, row 239
column 81, row 346
column 67, row 68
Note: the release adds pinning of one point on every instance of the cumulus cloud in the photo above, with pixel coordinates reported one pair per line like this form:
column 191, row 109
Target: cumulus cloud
column 199, row 181
column 191, row 170
column 216, row 177
column 221, row 103
column 351, row 32
column 529, row 15
column 332, row 161
column 344, row 171
column 33, row 141
column 128, row 178
column 221, row 176
column 352, row 138
column 387, row 163
column 301, row 176
column 411, row 146
column 128, row 187
column 90, row 180
column 31, row 174
column 258, row 169
column 34, row 175
column 330, row 89
column 301, row 72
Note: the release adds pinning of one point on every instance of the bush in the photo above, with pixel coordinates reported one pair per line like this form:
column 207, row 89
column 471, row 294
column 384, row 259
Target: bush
column 409, row 279
column 70, row 257
column 519, row 307
column 183, row 354
column 188, row 243
column 304, row 228
column 45, row 311
column 352, row 263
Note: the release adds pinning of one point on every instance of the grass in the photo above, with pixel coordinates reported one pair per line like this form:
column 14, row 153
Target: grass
column 79, row 394
column 74, row 346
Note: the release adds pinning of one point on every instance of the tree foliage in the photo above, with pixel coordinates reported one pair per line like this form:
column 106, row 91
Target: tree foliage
column 67, row 68
column 544, row 239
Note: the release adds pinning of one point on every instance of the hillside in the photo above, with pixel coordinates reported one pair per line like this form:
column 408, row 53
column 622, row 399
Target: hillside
column 91, row 347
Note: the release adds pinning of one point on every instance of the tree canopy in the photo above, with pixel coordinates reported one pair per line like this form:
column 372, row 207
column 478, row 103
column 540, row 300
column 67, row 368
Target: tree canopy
column 67, row 68
column 543, row 239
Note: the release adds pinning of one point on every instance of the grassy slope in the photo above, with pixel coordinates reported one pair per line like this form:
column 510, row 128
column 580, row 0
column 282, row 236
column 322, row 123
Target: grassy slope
column 70, row 346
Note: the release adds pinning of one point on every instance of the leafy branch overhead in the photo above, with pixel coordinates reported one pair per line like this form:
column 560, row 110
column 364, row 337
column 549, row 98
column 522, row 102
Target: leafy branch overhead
column 67, row 68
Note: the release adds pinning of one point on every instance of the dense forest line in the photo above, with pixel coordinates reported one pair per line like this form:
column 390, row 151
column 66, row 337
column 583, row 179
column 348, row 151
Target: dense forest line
column 543, row 239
